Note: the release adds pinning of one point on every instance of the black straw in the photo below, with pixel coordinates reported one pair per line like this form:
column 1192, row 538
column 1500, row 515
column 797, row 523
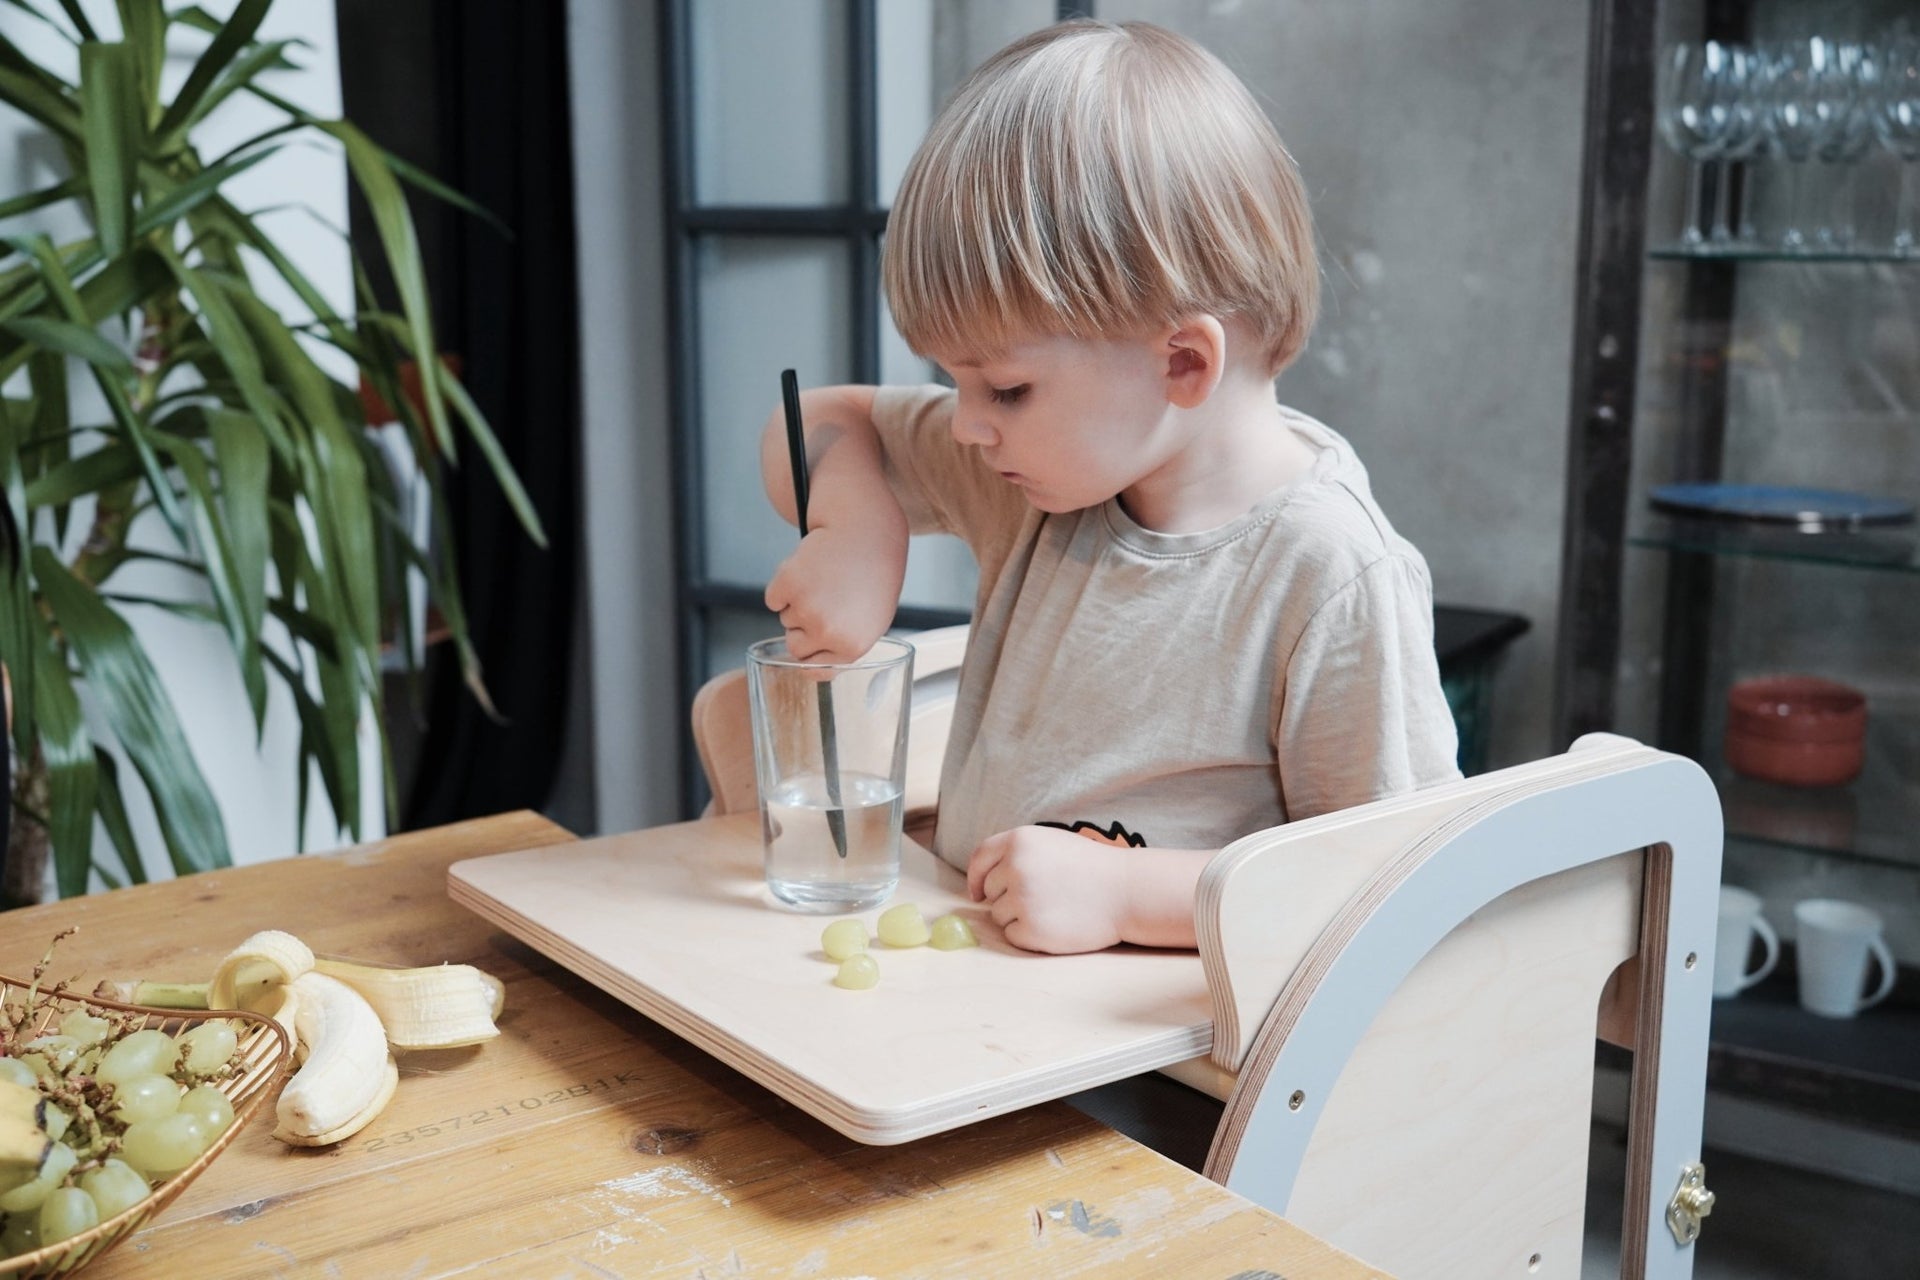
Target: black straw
column 829, row 745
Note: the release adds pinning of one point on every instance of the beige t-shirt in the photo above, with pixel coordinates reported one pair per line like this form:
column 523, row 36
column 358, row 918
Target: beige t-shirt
column 1175, row 690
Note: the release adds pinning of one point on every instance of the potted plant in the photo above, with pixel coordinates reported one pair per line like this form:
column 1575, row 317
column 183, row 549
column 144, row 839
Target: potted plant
column 221, row 431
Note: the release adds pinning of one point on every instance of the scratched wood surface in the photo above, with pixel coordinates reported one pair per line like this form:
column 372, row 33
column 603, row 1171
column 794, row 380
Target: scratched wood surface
column 589, row 1142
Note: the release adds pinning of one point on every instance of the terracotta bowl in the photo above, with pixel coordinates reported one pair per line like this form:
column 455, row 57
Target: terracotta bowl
column 1801, row 731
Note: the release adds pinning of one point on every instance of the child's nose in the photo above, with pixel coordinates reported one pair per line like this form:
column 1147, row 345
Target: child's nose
column 970, row 428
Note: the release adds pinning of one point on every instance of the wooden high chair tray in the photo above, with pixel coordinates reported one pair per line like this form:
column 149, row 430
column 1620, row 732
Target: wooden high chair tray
column 676, row 922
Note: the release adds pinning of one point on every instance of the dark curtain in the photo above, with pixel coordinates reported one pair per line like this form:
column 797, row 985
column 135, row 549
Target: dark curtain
column 475, row 91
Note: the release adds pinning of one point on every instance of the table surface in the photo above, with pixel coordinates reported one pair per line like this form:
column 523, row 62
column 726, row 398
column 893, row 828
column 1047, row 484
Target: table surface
column 587, row 1141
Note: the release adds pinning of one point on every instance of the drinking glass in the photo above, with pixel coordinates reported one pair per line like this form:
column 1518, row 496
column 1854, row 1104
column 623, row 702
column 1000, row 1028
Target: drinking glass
column 830, row 758
column 1793, row 127
column 1842, row 85
column 1897, row 121
column 1688, row 122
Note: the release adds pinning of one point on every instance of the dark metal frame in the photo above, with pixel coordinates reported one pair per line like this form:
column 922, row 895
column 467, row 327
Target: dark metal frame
column 859, row 221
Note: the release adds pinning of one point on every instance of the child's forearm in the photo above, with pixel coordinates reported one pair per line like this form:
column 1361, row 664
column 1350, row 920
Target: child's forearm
column 846, row 480
column 1160, row 889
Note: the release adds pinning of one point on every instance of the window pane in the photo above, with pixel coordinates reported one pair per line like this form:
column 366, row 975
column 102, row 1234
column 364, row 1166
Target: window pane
column 770, row 102
column 765, row 305
column 903, row 39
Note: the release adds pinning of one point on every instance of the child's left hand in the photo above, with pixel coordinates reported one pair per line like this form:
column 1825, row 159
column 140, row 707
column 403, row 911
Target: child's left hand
column 1051, row 890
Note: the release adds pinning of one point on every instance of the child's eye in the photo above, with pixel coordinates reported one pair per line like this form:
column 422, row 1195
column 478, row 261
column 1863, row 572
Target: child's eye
column 1008, row 395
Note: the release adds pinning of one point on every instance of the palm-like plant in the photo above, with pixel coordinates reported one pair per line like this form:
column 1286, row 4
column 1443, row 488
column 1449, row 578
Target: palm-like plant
column 220, row 431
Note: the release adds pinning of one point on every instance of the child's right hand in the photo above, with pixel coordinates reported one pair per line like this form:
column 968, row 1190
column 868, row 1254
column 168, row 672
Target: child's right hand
column 837, row 594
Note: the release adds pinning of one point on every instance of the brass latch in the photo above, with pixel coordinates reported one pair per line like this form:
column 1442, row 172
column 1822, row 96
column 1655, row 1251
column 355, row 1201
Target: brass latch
column 1690, row 1203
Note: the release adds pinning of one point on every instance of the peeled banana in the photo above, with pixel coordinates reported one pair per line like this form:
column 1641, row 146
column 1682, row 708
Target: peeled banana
column 349, row 1074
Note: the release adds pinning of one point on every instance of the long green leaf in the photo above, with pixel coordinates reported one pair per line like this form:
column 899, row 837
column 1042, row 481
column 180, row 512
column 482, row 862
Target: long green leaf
column 28, row 9
column 189, row 195
column 216, row 549
column 143, row 26
column 78, row 16
column 17, row 643
column 84, row 476
column 270, row 56
column 240, row 447
column 82, row 342
column 71, row 772
column 41, row 199
column 110, row 120
column 46, row 106
column 402, row 248
column 496, row 457
column 232, row 36
column 337, row 480
column 142, row 716
column 51, row 428
column 60, row 286
column 112, row 807
column 235, row 345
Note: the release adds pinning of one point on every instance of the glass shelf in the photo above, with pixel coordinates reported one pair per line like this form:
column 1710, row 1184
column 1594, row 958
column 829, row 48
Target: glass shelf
column 1895, row 550
column 1684, row 253
column 1875, row 818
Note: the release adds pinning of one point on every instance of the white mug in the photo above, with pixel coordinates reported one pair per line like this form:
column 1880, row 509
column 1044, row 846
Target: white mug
column 1835, row 939
column 1740, row 920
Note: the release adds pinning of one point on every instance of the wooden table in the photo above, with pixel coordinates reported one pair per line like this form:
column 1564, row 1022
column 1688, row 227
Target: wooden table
column 588, row 1142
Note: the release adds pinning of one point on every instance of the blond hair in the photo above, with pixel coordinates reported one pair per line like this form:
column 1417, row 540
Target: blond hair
column 1100, row 180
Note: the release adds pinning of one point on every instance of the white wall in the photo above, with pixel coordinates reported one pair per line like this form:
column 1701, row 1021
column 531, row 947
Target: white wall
column 628, row 474
column 256, row 787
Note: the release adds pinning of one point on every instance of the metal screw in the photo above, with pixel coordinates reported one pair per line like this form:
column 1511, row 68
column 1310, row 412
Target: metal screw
column 1299, row 1097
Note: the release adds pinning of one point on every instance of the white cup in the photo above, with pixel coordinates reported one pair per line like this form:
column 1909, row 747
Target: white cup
column 1740, row 920
column 1835, row 939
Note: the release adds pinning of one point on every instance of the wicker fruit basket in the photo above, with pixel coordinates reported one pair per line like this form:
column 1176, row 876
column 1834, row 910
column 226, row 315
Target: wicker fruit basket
column 265, row 1052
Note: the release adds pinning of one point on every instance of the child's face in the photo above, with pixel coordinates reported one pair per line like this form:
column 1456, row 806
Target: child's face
column 1070, row 422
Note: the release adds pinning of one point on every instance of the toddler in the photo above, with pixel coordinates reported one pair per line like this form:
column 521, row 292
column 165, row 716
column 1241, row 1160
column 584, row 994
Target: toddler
column 1193, row 622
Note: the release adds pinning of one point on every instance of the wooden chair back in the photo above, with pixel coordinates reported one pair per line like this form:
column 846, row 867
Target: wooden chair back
column 1407, row 995
column 723, row 728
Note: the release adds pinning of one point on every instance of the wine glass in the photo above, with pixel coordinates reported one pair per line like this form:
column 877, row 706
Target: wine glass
column 1843, row 85
column 1741, row 125
column 1689, row 89
column 1896, row 119
column 1793, row 127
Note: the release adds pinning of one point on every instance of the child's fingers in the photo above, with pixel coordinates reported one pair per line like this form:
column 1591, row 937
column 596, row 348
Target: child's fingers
column 985, row 859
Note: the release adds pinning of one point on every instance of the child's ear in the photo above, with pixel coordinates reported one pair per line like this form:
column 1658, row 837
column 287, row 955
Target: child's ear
column 1196, row 356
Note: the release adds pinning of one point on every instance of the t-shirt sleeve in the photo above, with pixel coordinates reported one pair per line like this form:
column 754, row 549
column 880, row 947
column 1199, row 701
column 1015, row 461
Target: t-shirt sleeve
column 1362, row 715
column 938, row 481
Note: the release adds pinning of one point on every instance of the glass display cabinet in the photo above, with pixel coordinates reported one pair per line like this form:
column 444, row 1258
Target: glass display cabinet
column 1745, row 466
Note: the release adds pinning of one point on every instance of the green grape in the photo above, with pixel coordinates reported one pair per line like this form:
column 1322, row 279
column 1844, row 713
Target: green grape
column 66, row 1213
column 18, row 1072
column 161, row 1148
column 21, row 1234
column 57, row 1051
column 213, row 1107
column 56, row 1122
column 53, row 1171
column 115, row 1186
column 208, row 1046
column 843, row 938
column 144, row 1053
column 144, row 1098
column 857, row 972
column 84, row 1027
column 903, row 926
column 951, row 933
